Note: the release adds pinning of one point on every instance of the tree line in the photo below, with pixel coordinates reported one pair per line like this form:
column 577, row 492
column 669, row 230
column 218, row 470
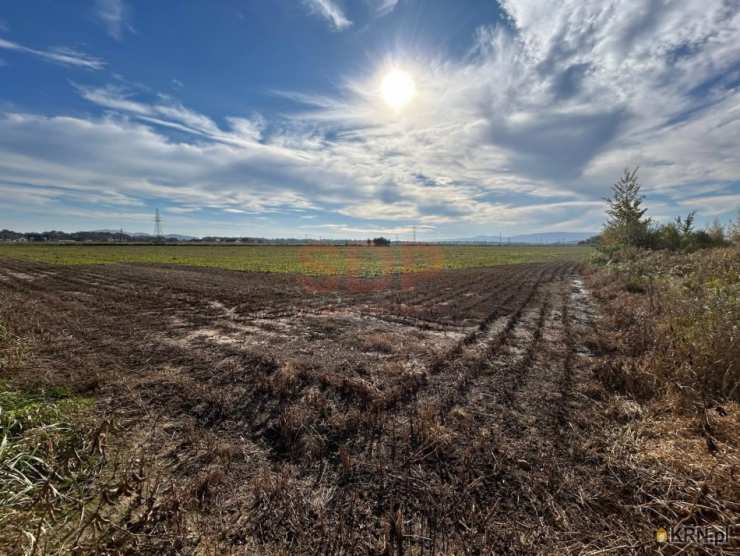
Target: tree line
column 629, row 226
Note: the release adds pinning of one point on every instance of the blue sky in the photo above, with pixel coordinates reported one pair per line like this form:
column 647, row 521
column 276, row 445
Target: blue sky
column 247, row 117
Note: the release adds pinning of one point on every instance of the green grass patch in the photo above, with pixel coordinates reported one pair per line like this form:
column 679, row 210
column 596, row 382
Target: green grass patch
column 47, row 467
column 311, row 260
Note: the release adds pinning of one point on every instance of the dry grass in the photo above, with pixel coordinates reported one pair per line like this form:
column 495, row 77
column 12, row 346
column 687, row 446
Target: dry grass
column 383, row 343
column 670, row 363
column 673, row 319
column 56, row 475
column 69, row 482
column 483, row 429
column 13, row 350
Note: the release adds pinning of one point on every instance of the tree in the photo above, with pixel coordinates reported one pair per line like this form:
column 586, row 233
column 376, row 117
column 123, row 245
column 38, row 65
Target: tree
column 627, row 224
column 734, row 231
column 381, row 242
column 716, row 232
column 686, row 227
column 668, row 236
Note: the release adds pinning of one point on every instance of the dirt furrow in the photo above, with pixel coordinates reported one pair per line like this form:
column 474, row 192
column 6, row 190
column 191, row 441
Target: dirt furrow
column 338, row 411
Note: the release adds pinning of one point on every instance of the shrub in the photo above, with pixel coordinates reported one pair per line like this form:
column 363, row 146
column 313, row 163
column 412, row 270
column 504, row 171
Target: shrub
column 629, row 228
column 677, row 320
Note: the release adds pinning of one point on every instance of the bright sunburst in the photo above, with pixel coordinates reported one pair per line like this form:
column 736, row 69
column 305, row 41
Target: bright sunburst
column 398, row 89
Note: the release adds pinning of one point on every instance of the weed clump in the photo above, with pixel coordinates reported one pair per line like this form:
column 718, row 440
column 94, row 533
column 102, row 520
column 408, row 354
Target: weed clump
column 675, row 319
column 48, row 458
column 13, row 349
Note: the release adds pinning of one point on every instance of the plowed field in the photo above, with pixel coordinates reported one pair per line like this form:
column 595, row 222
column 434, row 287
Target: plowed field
column 445, row 412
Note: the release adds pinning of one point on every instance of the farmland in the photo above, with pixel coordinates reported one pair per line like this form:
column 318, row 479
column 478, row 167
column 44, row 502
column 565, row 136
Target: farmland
column 312, row 260
column 435, row 412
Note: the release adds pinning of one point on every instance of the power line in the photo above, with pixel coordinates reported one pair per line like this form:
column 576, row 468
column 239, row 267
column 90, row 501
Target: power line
column 157, row 224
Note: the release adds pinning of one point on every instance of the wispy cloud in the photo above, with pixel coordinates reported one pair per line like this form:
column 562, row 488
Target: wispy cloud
column 112, row 13
column 354, row 230
column 331, row 11
column 527, row 131
column 713, row 205
column 168, row 113
column 384, row 7
column 125, row 161
column 556, row 106
column 60, row 55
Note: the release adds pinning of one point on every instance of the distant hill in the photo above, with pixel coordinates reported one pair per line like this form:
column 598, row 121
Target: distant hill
column 167, row 236
column 545, row 238
column 144, row 236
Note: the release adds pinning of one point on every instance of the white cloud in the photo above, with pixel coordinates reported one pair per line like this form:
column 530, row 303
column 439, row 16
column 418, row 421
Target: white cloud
column 384, row 7
column 60, row 55
column 375, row 231
column 75, row 159
column 331, row 11
column 557, row 107
column 112, row 13
column 171, row 114
column 527, row 131
column 715, row 205
column 182, row 210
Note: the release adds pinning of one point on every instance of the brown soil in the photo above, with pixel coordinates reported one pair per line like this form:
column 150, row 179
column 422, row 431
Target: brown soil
column 453, row 412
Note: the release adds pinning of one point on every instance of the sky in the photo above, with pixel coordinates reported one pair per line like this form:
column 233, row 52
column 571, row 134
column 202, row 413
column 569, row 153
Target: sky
column 275, row 118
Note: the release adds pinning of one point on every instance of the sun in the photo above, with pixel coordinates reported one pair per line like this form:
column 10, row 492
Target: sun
column 398, row 88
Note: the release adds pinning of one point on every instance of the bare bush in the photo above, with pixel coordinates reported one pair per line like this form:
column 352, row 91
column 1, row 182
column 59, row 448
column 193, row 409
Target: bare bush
column 679, row 328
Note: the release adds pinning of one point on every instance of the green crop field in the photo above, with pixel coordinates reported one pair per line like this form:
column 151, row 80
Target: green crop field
column 312, row 260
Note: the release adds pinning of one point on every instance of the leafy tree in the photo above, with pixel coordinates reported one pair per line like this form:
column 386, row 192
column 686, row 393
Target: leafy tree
column 668, row 237
column 627, row 225
column 686, row 226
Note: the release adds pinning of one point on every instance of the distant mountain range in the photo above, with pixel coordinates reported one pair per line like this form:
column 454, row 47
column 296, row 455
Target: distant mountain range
column 142, row 235
column 545, row 238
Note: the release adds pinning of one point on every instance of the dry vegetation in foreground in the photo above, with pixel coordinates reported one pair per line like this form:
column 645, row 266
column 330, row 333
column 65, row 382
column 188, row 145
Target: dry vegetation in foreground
column 58, row 477
column 468, row 412
column 670, row 358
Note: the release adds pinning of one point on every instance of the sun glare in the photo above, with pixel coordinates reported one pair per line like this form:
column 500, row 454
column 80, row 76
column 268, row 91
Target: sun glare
column 398, row 89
